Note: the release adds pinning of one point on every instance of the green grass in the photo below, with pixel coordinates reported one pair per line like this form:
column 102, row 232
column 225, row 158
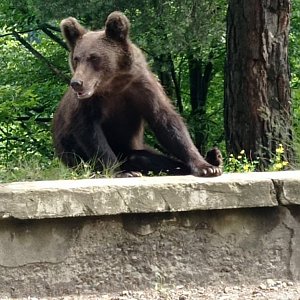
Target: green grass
column 34, row 170
column 38, row 169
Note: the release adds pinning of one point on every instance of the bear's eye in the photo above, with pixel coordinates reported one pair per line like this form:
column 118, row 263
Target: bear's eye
column 94, row 58
column 76, row 59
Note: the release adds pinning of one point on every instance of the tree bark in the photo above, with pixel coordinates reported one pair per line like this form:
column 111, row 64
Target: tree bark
column 257, row 93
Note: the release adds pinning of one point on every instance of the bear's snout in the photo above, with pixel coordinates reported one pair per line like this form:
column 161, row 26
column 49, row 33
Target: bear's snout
column 76, row 84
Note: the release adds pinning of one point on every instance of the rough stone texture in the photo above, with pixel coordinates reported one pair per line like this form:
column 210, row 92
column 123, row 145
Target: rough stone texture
column 221, row 237
column 105, row 254
column 56, row 199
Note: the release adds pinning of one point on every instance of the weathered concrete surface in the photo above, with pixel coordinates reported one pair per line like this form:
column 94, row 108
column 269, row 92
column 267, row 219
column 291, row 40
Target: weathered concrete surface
column 104, row 254
column 239, row 228
column 56, row 199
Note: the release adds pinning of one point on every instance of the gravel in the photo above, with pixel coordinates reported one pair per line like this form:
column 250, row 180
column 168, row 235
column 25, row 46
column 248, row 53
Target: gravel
column 269, row 289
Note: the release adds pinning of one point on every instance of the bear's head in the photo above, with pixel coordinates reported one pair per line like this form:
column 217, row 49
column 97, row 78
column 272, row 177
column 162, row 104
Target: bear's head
column 97, row 57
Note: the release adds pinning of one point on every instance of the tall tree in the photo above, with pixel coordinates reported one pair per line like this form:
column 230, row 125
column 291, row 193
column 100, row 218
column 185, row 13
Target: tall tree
column 257, row 93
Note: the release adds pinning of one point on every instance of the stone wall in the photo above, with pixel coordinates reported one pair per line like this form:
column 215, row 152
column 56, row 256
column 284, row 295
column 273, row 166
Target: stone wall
column 79, row 237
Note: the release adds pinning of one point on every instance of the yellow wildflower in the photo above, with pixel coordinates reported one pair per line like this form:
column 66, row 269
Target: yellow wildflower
column 280, row 149
column 246, row 168
column 278, row 166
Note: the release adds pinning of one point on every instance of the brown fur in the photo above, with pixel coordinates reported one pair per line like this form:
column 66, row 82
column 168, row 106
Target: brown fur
column 112, row 94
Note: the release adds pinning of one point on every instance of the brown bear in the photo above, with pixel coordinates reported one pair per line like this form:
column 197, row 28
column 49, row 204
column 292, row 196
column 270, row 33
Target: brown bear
column 112, row 94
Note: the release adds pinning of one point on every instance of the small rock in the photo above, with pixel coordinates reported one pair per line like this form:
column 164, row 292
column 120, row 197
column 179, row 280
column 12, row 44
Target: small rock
column 256, row 293
column 180, row 287
column 124, row 293
column 225, row 297
column 271, row 282
column 262, row 286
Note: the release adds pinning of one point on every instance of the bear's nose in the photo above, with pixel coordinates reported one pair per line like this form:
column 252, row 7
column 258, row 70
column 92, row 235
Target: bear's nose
column 76, row 84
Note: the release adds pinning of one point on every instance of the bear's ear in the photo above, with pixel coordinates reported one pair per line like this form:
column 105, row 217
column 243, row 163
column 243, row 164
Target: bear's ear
column 117, row 26
column 72, row 31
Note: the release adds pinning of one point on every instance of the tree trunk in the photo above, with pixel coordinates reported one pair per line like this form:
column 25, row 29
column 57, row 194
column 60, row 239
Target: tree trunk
column 199, row 82
column 257, row 93
column 161, row 68
column 165, row 69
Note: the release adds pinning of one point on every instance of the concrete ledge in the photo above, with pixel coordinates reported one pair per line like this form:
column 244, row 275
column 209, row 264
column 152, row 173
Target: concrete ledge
column 63, row 238
column 98, row 197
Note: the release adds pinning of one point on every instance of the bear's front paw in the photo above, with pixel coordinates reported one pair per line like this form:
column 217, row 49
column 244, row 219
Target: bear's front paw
column 210, row 167
column 205, row 169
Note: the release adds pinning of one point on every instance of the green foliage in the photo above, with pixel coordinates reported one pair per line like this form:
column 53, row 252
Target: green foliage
column 29, row 94
column 242, row 164
column 30, row 91
column 294, row 54
column 278, row 162
column 32, row 168
column 170, row 32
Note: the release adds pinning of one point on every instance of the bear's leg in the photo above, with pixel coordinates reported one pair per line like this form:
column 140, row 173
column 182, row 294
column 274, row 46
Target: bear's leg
column 88, row 145
column 169, row 128
column 152, row 163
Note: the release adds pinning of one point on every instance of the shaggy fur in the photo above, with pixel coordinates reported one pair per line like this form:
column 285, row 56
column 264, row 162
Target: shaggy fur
column 112, row 94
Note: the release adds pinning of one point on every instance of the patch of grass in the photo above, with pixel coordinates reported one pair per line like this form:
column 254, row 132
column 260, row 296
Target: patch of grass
column 37, row 169
column 34, row 170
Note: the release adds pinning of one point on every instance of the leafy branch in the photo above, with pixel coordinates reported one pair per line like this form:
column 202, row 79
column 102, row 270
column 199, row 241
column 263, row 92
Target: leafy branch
column 40, row 57
column 45, row 29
